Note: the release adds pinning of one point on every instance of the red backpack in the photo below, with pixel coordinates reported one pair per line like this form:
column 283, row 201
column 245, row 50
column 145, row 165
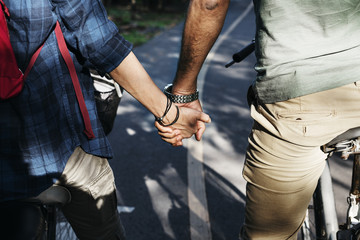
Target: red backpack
column 11, row 77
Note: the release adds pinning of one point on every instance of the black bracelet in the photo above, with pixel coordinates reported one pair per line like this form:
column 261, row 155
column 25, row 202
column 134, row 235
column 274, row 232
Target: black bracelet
column 175, row 120
column 167, row 109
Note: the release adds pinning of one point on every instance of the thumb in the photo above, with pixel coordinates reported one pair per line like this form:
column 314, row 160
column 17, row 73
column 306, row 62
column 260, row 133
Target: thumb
column 201, row 130
column 204, row 117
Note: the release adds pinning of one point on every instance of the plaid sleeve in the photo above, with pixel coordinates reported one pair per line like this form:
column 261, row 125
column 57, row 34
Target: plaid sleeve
column 88, row 30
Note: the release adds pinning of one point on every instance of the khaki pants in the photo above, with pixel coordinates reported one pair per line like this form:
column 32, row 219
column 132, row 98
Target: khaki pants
column 284, row 160
column 92, row 211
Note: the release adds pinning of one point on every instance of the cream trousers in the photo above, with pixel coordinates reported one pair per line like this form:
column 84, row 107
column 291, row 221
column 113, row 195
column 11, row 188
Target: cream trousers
column 284, row 160
column 92, row 211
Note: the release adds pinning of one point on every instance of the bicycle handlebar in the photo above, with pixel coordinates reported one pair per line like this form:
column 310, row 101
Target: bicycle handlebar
column 242, row 54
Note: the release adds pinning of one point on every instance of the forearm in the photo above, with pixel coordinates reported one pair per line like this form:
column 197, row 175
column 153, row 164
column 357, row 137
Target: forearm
column 204, row 22
column 131, row 75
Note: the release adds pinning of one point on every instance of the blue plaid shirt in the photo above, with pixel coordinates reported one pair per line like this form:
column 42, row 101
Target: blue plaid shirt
column 40, row 128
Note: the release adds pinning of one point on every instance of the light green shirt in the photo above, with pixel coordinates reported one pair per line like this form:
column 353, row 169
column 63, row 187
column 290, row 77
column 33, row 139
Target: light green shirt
column 305, row 46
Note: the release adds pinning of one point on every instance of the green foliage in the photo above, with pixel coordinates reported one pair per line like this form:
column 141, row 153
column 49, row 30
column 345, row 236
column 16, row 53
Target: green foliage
column 140, row 26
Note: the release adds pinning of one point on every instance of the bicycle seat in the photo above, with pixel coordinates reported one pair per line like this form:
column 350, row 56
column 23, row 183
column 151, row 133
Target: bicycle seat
column 349, row 134
column 55, row 195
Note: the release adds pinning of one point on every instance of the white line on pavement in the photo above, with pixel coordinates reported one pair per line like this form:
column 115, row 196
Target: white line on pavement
column 199, row 215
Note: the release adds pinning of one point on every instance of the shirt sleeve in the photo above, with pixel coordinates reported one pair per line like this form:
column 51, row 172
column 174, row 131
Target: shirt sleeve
column 91, row 34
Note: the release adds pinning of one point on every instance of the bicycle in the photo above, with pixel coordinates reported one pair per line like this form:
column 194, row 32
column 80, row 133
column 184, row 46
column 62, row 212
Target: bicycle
column 53, row 223
column 325, row 218
column 321, row 219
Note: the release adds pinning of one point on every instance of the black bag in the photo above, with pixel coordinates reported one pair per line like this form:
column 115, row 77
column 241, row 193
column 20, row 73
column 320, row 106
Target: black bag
column 107, row 95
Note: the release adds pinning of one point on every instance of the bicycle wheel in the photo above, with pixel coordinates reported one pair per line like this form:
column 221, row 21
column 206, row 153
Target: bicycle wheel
column 58, row 228
column 321, row 220
column 64, row 230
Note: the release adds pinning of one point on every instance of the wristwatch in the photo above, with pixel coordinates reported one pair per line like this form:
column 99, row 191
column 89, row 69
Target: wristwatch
column 180, row 98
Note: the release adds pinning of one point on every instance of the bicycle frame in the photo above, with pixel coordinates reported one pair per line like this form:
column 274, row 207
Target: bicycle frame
column 51, row 198
column 353, row 213
column 351, row 228
column 325, row 190
column 349, row 144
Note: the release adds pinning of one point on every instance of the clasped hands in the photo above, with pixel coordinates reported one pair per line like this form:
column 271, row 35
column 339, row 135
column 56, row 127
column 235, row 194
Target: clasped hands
column 191, row 122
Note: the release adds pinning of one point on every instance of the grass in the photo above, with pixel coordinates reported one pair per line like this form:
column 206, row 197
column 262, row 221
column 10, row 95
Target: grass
column 145, row 24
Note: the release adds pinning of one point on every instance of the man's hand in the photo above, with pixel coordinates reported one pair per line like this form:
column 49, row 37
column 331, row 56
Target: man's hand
column 190, row 122
column 200, row 124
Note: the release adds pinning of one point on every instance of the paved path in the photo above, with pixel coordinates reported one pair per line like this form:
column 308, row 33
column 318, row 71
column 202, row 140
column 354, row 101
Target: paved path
column 195, row 192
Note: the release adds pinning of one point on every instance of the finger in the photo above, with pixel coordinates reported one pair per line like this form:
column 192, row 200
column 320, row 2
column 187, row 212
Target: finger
column 175, row 133
column 177, row 144
column 174, row 141
column 168, row 135
column 201, row 130
column 204, row 118
column 164, row 129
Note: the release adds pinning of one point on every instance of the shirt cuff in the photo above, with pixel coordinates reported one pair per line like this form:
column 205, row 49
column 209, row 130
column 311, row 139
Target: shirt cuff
column 111, row 54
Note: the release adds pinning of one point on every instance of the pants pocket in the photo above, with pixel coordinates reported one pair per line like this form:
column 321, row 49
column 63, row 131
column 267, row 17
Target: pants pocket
column 305, row 117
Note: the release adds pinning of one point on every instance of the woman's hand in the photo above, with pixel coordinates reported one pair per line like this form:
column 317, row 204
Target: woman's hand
column 190, row 122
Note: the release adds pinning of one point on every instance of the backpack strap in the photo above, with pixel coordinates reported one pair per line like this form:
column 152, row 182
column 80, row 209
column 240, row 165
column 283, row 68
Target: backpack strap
column 70, row 65
column 5, row 9
column 32, row 61
column 12, row 85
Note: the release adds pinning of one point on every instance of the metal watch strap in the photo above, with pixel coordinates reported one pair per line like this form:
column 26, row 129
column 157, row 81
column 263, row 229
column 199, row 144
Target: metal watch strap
column 180, row 98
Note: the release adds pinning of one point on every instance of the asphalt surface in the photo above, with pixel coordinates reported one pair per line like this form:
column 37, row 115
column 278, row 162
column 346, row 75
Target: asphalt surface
column 152, row 177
